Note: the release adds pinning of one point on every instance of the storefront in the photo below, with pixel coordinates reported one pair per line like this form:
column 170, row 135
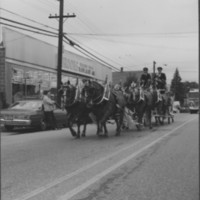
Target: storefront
column 30, row 67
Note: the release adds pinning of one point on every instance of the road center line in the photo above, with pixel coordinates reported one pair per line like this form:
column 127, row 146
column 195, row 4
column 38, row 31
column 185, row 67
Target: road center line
column 68, row 176
column 96, row 178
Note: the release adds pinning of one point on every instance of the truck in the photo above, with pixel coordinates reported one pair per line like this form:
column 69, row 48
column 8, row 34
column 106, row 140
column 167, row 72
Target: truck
column 193, row 100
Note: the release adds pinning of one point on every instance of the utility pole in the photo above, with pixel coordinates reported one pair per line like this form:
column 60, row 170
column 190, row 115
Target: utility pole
column 154, row 68
column 60, row 47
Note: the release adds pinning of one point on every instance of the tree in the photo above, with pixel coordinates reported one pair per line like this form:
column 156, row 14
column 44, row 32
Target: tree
column 177, row 87
column 190, row 85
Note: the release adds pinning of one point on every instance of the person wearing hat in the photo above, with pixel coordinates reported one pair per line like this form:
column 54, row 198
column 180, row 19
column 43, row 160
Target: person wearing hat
column 160, row 79
column 145, row 82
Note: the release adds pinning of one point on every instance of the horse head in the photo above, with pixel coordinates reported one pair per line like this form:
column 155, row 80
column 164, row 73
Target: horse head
column 69, row 94
column 92, row 93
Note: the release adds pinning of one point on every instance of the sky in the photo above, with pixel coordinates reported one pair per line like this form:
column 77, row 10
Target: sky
column 129, row 33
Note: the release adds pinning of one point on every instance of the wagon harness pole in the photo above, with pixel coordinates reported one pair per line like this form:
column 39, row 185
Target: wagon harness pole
column 60, row 47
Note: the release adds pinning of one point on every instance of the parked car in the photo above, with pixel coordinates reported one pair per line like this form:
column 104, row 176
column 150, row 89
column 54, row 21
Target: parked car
column 176, row 107
column 29, row 113
column 184, row 109
column 194, row 107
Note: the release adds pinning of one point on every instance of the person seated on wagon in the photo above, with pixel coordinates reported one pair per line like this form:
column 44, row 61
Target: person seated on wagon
column 118, row 92
column 160, row 79
column 145, row 82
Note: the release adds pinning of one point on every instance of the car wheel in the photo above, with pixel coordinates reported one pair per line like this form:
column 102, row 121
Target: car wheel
column 43, row 125
column 9, row 128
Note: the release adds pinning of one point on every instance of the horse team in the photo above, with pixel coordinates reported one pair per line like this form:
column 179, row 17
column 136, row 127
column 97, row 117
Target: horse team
column 101, row 103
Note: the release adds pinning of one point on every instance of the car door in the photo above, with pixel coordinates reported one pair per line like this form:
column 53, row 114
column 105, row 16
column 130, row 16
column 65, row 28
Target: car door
column 60, row 115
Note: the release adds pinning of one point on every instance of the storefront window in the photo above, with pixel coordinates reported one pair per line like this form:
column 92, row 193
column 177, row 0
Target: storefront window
column 30, row 83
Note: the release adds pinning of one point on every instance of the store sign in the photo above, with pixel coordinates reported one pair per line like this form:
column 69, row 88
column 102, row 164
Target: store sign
column 78, row 67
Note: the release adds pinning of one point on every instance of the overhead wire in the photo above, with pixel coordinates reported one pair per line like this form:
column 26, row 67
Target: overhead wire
column 28, row 19
column 28, row 30
column 91, row 27
column 33, row 27
column 97, row 52
column 26, row 25
column 54, row 35
column 43, row 25
column 75, row 44
column 88, row 55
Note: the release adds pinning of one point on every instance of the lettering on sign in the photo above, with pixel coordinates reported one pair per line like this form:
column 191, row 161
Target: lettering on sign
column 76, row 66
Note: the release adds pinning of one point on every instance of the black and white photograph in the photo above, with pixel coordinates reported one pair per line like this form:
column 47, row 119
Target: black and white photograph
column 99, row 99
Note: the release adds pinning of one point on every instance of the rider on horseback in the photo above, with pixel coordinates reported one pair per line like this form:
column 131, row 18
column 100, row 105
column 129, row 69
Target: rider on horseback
column 145, row 82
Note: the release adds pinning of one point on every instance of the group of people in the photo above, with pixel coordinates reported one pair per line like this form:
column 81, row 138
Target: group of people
column 146, row 81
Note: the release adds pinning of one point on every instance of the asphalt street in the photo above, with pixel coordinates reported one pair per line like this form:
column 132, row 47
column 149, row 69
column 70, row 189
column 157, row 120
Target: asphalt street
column 162, row 163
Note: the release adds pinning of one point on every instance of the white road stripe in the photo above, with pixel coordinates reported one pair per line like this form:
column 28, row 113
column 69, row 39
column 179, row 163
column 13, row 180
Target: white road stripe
column 68, row 176
column 75, row 191
column 82, row 187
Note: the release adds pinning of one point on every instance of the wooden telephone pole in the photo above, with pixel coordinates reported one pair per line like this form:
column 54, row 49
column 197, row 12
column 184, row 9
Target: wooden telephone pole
column 60, row 46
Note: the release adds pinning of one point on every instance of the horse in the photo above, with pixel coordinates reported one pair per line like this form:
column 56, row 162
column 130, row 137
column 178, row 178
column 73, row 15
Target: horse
column 162, row 106
column 77, row 112
column 103, row 107
column 142, row 108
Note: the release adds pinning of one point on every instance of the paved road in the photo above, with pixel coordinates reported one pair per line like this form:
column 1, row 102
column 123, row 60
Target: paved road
column 157, row 164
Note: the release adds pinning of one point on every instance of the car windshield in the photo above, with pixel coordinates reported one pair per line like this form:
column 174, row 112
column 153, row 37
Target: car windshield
column 30, row 105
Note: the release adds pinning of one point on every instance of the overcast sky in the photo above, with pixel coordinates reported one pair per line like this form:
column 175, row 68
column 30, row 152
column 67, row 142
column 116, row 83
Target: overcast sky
column 129, row 33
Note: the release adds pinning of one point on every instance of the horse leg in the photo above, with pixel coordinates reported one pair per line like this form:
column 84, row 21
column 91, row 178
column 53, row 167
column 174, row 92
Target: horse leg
column 78, row 129
column 120, row 122
column 70, row 124
column 105, row 129
column 84, row 129
column 98, row 128
column 148, row 117
column 139, row 122
column 103, row 126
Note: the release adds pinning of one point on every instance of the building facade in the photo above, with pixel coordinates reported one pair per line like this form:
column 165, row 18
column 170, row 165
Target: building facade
column 122, row 76
column 28, row 66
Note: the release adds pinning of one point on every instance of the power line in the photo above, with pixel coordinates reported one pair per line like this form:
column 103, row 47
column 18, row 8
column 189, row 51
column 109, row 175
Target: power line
column 103, row 55
column 28, row 30
column 89, row 56
column 54, row 34
column 27, row 18
column 52, row 28
column 27, row 25
column 73, row 44
column 130, row 34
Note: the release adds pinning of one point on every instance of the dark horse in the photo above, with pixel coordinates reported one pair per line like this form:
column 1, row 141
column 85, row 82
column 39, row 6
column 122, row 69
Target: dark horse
column 103, row 108
column 162, row 107
column 77, row 112
column 142, row 108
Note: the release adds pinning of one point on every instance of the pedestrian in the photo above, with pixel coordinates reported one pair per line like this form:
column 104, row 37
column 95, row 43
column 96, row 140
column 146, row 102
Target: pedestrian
column 49, row 105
